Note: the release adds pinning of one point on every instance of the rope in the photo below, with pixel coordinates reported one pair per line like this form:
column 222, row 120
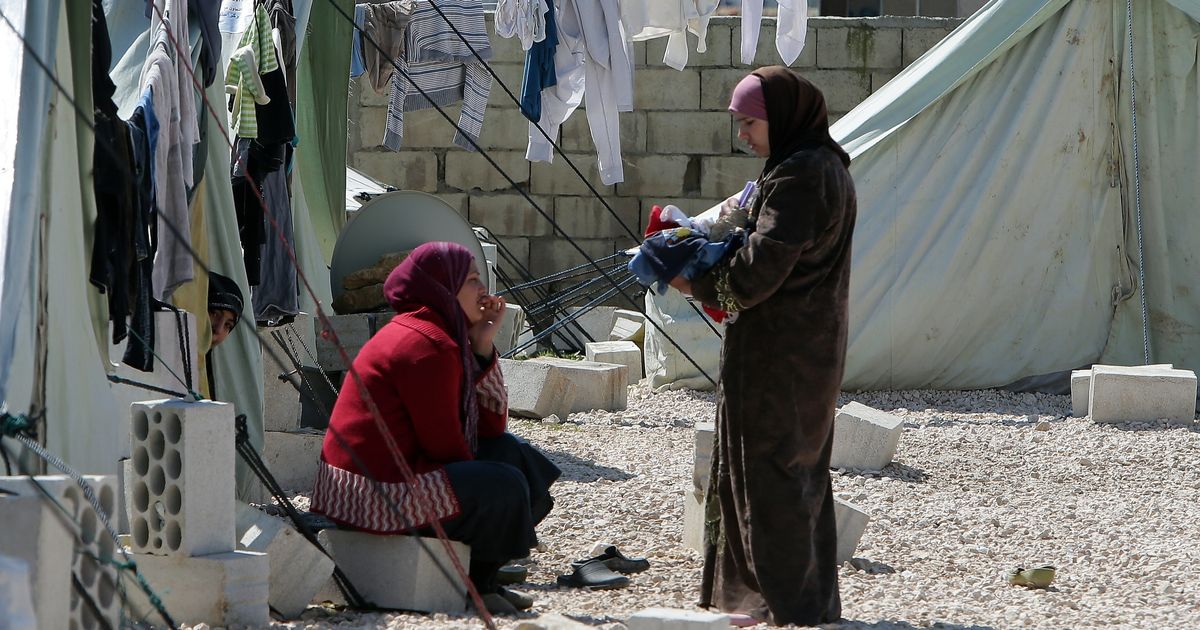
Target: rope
column 1137, row 187
column 584, row 309
column 366, row 37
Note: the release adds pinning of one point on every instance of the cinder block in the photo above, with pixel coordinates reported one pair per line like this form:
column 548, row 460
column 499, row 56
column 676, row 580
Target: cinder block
column 169, row 355
column 694, row 501
column 400, row 572
column 596, row 322
column 851, row 523
column 220, row 589
column 624, row 353
column 510, row 328
column 292, row 457
column 551, row 621
column 683, row 92
column 597, row 385
column 1131, row 394
column 587, row 216
column 716, row 88
column 671, row 619
column 859, row 47
column 864, row 438
column 721, row 177
column 536, row 390
column 511, row 214
column 407, row 170
column 693, row 521
column 281, row 399
column 547, row 256
column 180, row 497
column 1081, row 383
column 298, row 569
column 843, row 89
column 688, row 133
column 352, row 331
column 469, row 170
column 766, row 53
column 627, row 329
column 93, row 545
column 577, row 134
column 557, row 178
column 663, row 176
column 35, row 533
column 16, row 598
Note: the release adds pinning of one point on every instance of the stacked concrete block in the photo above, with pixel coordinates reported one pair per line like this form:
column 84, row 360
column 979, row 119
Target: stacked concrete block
column 400, row 572
column 16, row 598
column 298, row 569
column 352, row 333
column 625, row 353
column 537, row 390
column 1081, row 384
column 36, row 534
column 170, row 360
column 596, row 322
column 864, row 438
column 672, row 619
column 597, row 385
column 627, row 326
column 1145, row 393
column 510, row 328
column 694, row 499
column 293, row 456
column 181, row 498
column 851, row 523
column 92, row 543
column 281, row 398
column 220, row 589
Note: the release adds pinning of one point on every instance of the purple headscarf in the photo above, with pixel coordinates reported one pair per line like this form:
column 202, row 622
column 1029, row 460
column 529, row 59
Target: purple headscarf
column 431, row 277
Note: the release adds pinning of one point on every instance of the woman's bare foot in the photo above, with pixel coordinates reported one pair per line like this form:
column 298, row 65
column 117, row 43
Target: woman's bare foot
column 741, row 620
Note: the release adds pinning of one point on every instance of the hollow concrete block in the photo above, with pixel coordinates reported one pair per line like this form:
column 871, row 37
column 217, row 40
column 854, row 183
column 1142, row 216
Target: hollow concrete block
column 864, row 438
column 16, row 597
column 597, row 385
column 92, row 543
column 36, row 534
column 298, row 569
column 220, row 589
column 536, row 390
column 181, row 494
column 1145, row 393
column 625, row 353
column 672, row 619
column 400, row 572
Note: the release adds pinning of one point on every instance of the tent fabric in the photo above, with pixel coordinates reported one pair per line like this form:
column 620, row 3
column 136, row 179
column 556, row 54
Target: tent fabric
column 1011, row 252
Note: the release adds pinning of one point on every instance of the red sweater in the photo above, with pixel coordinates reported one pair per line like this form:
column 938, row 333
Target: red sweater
column 413, row 371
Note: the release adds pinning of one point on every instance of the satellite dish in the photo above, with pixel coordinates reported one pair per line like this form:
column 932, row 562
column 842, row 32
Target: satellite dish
column 396, row 222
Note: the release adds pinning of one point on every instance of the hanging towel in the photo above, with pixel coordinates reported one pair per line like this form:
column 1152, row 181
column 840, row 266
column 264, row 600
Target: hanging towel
column 440, row 63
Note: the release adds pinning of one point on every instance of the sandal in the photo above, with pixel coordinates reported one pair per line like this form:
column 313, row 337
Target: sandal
column 592, row 574
column 512, row 574
column 520, row 601
column 617, row 561
column 496, row 604
column 1037, row 577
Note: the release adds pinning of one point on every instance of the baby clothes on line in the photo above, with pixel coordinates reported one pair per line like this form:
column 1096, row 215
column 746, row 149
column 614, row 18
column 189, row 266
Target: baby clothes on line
column 651, row 19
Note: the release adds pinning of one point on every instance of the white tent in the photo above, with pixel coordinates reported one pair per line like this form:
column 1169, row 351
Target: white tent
column 999, row 207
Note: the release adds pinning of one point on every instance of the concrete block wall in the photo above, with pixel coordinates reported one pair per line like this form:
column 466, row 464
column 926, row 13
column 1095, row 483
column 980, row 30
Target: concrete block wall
column 679, row 144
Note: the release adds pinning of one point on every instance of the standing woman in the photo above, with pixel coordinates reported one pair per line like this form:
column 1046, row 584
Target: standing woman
column 770, row 531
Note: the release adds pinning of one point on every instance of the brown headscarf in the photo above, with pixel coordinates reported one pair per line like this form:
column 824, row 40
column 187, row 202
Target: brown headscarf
column 796, row 114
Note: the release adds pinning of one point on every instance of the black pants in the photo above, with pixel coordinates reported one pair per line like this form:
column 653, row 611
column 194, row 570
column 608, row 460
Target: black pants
column 502, row 495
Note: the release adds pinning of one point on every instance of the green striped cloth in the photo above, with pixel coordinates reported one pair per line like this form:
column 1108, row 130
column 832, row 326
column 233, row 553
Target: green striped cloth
column 239, row 78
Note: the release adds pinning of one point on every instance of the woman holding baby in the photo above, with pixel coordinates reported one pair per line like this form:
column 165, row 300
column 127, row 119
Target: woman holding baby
column 770, row 531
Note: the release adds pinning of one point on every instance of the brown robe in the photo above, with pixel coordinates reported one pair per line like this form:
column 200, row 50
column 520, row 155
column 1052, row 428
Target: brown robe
column 770, row 535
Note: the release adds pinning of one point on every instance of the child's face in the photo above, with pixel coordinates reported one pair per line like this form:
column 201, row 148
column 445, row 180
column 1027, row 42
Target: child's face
column 753, row 132
column 222, row 322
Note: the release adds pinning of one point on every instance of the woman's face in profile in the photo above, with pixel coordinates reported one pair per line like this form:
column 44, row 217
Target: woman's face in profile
column 471, row 295
column 753, row 132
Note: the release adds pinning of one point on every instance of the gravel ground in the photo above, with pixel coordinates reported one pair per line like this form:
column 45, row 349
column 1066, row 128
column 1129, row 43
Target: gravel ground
column 982, row 482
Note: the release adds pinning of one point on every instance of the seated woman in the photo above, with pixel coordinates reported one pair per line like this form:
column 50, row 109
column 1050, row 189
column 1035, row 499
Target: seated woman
column 432, row 372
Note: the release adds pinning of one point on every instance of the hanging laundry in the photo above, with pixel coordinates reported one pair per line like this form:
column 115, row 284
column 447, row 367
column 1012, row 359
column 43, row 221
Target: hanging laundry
column 357, row 65
column 254, row 57
column 386, row 25
column 651, row 19
column 441, row 64
column 539, row 68
column 595, row 54
column 524, row 19
column 283, row 32
column 210, row 37
column 276, row 296
column 791, row 29
column 172, row 16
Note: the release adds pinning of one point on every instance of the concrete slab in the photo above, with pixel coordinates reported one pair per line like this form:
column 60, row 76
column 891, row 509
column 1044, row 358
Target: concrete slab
column 293, row 456
column 851, row 523
column 399, row 572
column 220, row 589
column 864, row 438
column 672, row 619
column 180, row 495
column 625, row 353
column 298, row 568
column 16, row 598
column 1081, row 383
column 1147, row 393
column 98, row 578
column 35, row 533
column 597, row 385
column 537, row 390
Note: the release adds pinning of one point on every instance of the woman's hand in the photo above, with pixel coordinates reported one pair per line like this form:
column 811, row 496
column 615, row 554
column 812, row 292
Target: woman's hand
column 482, row 334
column 681, row 284
column 728, row 207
